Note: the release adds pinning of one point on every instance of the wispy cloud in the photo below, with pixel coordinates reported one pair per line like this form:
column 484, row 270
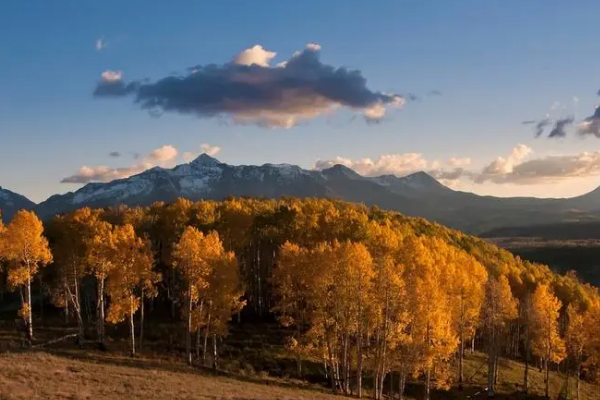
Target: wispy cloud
column 114, row 154
column 249, row 90
column 101, row 44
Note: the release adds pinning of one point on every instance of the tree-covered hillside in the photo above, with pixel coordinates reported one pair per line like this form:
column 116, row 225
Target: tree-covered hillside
column 365, row 292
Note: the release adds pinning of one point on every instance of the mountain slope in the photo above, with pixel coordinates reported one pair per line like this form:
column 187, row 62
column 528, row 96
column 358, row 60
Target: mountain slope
column 11, row 202
column 417, row 194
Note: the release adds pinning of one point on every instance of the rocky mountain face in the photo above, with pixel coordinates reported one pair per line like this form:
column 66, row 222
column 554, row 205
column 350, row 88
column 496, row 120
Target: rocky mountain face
column 11, row 202
column 417, row 194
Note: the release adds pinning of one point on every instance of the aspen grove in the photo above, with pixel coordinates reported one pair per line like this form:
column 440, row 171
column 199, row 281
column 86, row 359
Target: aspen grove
column 369, row 294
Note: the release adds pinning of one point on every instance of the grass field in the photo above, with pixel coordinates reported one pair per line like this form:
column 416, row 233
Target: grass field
column 254, row 366
column 94, row 375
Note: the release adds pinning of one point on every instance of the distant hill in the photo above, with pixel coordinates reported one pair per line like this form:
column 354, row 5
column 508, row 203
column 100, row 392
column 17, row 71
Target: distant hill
column 417, row 194
column 11, row 202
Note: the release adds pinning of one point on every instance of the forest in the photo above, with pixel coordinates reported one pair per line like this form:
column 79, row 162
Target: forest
column 364, row 292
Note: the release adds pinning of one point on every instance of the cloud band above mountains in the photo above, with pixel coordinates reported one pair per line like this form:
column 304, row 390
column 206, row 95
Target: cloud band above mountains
column 249, row 90
column 515, row 168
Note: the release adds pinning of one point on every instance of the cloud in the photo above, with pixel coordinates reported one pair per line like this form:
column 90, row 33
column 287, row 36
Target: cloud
column 516, row 168
column 550, row 169
column 540, row 126
column 206, row 148
column 114, row 154
column 396, row 164
column 249, row 91
column 460, row 161
column 256, row 55
column 111, row 76
column 503, row 166
column 101, row 44
column 558, row 131
column 591, row 125
column 448, row 172
column 163, row 156
column 111, row 85
column 103, row 173
column 210, row 150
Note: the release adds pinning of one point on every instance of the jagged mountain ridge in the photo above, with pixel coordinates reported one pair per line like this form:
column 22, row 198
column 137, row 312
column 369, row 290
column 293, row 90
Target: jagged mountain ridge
column 417, row 194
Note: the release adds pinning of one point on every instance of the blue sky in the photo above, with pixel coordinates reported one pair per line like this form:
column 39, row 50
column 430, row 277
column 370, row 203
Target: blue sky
column 496, row 63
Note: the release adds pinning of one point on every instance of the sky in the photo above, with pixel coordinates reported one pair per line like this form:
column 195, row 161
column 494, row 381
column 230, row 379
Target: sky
column 97, row 90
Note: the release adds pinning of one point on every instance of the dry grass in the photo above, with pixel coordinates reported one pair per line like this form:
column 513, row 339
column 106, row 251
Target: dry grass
column 258, row 367
column 39, row 375
column 510, row 379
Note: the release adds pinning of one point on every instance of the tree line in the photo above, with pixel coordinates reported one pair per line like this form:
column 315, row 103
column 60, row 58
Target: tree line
column 369, row 293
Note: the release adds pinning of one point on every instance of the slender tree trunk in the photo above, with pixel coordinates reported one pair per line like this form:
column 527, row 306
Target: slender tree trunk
column 29, row 316
column 67, row 314
column 566, row 392
column 206, row 331
column 131, row 327
column 332, row 372
column 461, row 351
column 198, row 333
column 578, row 375
column 401, row 384
column 527, row 355
column 345, row 364
column 188, row 335
column 75, row 298
column 491, row 365
column 141, row 320
column 547, row 377
column 100, row 313
column 215, row 359
column 496, row 360
column 41, row 300
column 359, row 358
column 198, row 343
column 427, row 384
column 473, row 344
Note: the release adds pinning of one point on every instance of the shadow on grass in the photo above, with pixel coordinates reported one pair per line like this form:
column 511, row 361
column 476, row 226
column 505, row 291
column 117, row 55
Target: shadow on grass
column 173, row 366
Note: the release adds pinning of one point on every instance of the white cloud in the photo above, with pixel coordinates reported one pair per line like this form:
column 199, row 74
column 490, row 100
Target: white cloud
column 206, row 148
column 460, row 161
column 396, row 164
column 255, row 55
column 504, row 166
column 109, row 76
column 210, row 150
column 548, row 169
column 101, row 44
column 313, row 47
column 515, row 168
column 163, row 156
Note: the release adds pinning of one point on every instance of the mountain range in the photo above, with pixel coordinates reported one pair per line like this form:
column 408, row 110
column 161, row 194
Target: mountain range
column 417, row 194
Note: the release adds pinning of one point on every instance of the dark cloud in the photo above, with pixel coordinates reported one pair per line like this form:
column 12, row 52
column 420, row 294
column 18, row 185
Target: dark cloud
column 540, row 126
column 434, row 93
column 558, row 131
column 529, row 122
column 114, row 154
column 591, row 125
column 412, row 97
column 248, row 90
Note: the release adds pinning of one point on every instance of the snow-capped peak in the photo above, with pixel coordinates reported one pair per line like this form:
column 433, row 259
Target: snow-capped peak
column 204, row 160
